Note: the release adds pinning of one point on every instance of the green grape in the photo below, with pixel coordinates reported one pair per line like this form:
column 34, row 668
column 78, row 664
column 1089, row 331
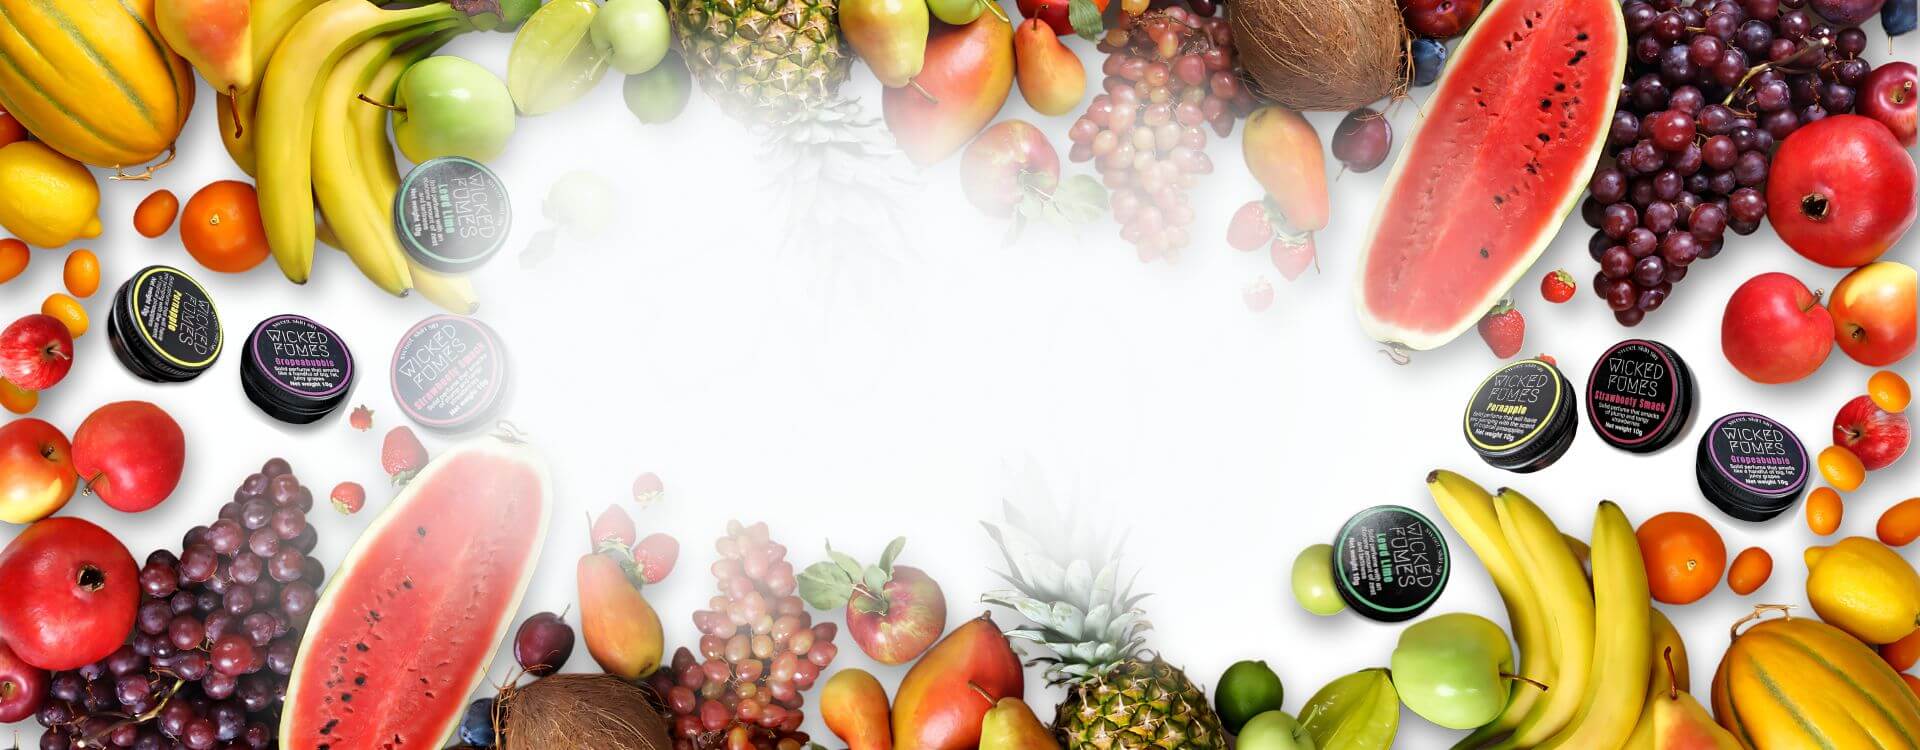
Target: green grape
column 1360, row 711
column 553, row 61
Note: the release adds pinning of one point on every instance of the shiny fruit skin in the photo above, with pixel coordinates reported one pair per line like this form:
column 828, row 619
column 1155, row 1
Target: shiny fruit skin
column 130, row 454
column 1889, row 391
column 913, row 614
column 621, row 629
column 1440, row 19
column 1283, row 152
column 1864, row 588
column 155, row 214
column 1876, row 436
column 543, row 644
column 71, row 592
column 1900, row 524
column 1313, row 585
column 1293, row 254
column 16, row 399
column 854, row 706
column 1362, row 140
column 967, row 77
column 11, row 131
column 938, row 705
column 68, row 311
column 1874, row 313
column 1054, row 13
column 1825, row 509
column 1841, row 468
column 1751, row 569
column 14, row 257
column 1775, row 330
column 1891, row 95
column 36, row 352
column 1903, row 653
column 1250, row 229
column 891, row 35
column 1247, row 689
column 999, row 168
column 1842, row 191
column 1684, row 556
column 81, row 273
column 36, row 471
column 1051, row 77
column 1912, row 683
column 23, row 687
column 613, row 525
column 221, row 228
column 656, row 554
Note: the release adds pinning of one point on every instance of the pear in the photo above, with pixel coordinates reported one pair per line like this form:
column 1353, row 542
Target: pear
column 1011, row 725
column 215, row 36
column 1051, row 77
column 1681, row 723
column 891, row 35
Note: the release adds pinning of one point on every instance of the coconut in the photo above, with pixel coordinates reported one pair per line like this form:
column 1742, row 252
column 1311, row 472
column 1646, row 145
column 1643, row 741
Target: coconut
column 584, row 711
column 1323, row 55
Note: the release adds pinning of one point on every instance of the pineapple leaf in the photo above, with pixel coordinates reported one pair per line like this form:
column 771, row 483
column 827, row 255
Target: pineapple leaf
column 892, row 553
column 825, row 586
column 1098, row 619
column 1078, row 580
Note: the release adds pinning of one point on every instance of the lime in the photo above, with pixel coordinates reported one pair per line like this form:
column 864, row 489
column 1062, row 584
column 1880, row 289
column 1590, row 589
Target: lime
column 1247, row 689
column 659, row 95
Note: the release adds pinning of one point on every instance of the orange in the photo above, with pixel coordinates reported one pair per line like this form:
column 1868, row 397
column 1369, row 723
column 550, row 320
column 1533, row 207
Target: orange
column 68, row 310
column 10, row 129
column 1842, row 468
column 16, row 399
column 82, row 273
column 1913, row 683
column 1889, row 391
column 221, row 227
column 156, row 214
column 1824, row 510
column 1684, row 555
column 1751, row 569
column 1903, row 653
column 1900, row 524
column 14, row 256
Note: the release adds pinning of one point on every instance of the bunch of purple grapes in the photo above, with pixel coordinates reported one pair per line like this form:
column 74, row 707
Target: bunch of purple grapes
column 1170, row 74
column 215, row 636
column 1711, row 87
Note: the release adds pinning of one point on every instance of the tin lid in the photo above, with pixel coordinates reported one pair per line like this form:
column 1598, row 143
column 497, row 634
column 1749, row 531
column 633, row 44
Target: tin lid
column 296, row 369
column 452, row 214
column 164, row 325
column 1390, row 563
column 1640, row 396
column 449, row 372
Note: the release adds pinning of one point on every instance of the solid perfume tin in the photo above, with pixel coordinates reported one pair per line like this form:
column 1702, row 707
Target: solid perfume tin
column 1522, row 417
column 449, row 372
column 452, row 214
column 164, row 327
column 295, row 369
column 1751, row 467
column 1640, row 396
column 1390, row 563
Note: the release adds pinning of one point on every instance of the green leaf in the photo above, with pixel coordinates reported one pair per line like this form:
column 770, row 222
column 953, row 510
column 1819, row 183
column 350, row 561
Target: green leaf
column 1080, row 199
column 825, row 586
column 1085, row 17
column 876, row 579
column 892, row 553
column 846, row 563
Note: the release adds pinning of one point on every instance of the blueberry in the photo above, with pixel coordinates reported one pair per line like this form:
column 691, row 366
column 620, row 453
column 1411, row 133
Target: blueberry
column 476, row 728
column 1899, row 16
column 1429, row 56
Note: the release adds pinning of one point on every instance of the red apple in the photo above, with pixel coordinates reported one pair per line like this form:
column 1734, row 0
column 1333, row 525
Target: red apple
column 1892, row 96
column 71, row 593
column 36, row 470
column 1007, row 162
column 23, row 687
column 1775, row 330
column 1842, row 191
column 1054, row 12
column 36, row 352
column 1874, row 313
column 1877, row 436
column 900, row 621
column 131, row 454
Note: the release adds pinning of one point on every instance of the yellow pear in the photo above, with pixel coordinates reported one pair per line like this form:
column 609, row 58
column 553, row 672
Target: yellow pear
column 1011, row 725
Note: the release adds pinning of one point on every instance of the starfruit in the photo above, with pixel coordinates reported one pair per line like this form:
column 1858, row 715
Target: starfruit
column 1360, row 711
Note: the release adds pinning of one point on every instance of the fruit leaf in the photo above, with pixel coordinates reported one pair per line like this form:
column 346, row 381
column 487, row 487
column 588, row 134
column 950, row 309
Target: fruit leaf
column 846, row 562
column 876, row 579
column 892, row 553
column 825, row 586
column 1085, row 17
column 1080, row 199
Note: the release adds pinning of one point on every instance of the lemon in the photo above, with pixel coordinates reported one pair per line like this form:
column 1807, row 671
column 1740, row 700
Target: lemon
column 1860, row 586
column 46, row 199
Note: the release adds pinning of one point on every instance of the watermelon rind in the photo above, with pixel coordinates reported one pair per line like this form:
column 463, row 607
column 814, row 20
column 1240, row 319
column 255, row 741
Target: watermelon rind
column 493, row 447
column 1500, row 20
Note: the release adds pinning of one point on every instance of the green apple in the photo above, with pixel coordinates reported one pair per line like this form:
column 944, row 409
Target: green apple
column 1313, row 585
column 957, row 12
column 634, row 34
column 1454, row 670
column 659, row 95
column 450, row 106
column 1247, row 689
column 1274, row 730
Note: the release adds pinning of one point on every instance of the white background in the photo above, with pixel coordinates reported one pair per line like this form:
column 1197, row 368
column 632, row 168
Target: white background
column 856, row 398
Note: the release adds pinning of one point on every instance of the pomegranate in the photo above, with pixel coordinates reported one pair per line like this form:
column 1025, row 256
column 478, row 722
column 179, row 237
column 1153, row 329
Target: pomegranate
column 1842, row 191
column 71, row 593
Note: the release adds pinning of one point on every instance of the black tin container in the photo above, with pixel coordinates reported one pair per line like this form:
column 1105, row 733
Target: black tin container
column 296, row 370
column 1641, row 396
column 449, row 373
column 452, row 214
column 1390, row 563
column 164, row 327
column 1751, row 467
column 1522, row 418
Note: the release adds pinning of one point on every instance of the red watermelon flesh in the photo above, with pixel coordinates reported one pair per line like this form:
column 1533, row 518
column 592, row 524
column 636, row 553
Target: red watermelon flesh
column 408, row 626
column 1501, row 157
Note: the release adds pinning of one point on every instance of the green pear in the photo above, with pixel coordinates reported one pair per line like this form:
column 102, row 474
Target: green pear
column 1454, row 670
column 1274, row 730
column 962, row 12
column 1011, row 725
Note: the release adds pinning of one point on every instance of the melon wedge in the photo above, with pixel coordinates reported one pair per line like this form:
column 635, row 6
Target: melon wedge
column 405, row 631
column 1501, row 157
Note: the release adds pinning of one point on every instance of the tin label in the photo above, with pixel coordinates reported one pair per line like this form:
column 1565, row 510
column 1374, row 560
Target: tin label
column 1632, row 393
column 1391, row 558
column 452, row 214
column 1513, row 405
column 1758, row 454
column 302, row 356
column 176, row 317
column 448, row 371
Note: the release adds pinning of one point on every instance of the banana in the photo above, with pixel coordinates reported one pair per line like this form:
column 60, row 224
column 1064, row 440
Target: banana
column 289, row 102
column 1667, row 644
column 1469, row 509
column 270, row 21
column 1562, row 588
column 1624, row 628
column 340, row 183
column 455, row 294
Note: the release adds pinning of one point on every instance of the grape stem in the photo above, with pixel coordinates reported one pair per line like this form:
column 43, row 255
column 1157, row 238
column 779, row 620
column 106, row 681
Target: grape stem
column 1769, row 65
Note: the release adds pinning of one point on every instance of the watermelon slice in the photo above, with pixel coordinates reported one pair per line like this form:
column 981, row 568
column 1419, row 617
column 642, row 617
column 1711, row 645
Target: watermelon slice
column 1501, row 157
column 405, row 631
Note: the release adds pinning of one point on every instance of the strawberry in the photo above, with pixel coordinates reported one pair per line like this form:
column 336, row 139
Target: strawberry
column 1504, row 330
column 647, row 489
column 656, row 555
column 1250, row 227
column 402, row 455
column 361, row 419
column 1292, row 254
column 1557, row 287
column 615, row 526
column 349, row 498
column 1547, row 358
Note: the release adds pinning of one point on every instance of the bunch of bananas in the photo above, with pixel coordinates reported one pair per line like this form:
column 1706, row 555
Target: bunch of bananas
column 1590, row 641
column 313, row 131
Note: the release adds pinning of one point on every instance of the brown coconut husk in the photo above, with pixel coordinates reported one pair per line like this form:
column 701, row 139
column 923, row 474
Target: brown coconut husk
column 1323, row 55
column 580, row 712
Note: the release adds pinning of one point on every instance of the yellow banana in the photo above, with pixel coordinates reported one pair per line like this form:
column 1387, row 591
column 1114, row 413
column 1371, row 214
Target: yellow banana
column 1666, row 644
column 455, row 294
column 289, row 101
column 271, row 19
column 1468, row 507
column 364, row 228
column 1623, row 641
column 1562, row 587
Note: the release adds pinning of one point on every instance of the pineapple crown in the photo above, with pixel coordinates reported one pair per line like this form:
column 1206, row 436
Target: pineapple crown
column 1089, row 621
column 840, row 178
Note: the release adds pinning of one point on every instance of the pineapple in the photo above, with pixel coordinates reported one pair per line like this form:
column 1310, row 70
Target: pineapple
column 764, row 61
column 1119, row 695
